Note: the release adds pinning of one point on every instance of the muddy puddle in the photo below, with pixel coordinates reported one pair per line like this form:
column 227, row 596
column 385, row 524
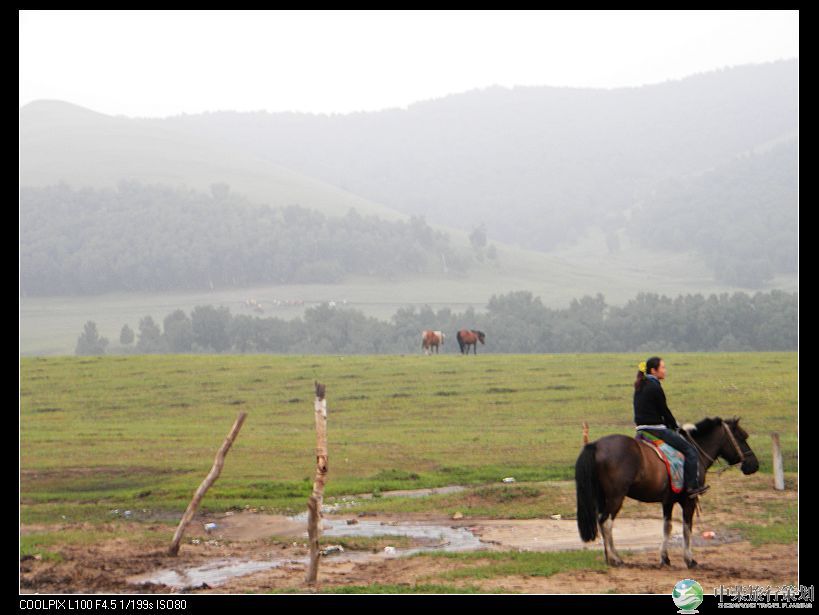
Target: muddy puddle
column 432, row 536
column 213, row 573
column 424, row 536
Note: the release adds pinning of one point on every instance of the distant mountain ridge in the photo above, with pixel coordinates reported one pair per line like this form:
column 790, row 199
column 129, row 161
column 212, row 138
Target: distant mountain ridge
column 537, row 165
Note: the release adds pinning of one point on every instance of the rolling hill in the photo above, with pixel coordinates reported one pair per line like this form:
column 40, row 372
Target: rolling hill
column 61, row 142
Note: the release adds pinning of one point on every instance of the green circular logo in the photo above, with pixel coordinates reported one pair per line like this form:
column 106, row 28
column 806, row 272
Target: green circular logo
column 687, row 595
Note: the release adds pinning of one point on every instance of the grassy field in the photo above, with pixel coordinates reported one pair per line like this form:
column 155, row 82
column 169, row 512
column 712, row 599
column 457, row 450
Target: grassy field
column 99, row 434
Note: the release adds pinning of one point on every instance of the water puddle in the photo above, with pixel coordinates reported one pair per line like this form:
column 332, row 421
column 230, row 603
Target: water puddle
column 524, row 535
column 435, row 537
column 217, row 572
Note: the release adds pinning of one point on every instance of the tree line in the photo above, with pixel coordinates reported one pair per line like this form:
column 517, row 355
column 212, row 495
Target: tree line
column 155, row 238
column 515, row 322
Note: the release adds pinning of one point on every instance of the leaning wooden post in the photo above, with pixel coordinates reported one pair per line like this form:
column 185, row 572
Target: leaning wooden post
column 779, row 473
column 314, row 503
column 209, row 480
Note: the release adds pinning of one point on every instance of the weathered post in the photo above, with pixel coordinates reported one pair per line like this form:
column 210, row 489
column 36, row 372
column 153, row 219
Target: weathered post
column 779, row 472
column 585, row 433
column 314, row 503
column 209, row 480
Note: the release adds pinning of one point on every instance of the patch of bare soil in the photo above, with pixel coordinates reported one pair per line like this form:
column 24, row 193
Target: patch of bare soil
column 728, row 565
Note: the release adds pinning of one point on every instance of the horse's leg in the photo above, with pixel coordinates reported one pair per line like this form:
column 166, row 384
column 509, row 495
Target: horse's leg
column 688, row 523
column 612, row 558
column 606, row 521
column 668, row 507
column 613, row 505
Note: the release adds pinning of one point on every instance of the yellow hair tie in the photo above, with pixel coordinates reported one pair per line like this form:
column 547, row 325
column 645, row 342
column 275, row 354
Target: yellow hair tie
column 642, row 367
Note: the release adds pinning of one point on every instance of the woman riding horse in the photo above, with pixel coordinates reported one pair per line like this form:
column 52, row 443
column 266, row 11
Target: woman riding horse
column 618, row 466
column 651, row 414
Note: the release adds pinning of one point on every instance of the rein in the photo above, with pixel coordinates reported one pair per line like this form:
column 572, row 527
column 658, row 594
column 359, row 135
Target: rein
column 716, row 461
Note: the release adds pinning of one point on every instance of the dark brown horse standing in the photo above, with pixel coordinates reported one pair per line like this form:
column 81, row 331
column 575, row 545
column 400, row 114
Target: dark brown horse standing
column 616, row 466
column 470, row 337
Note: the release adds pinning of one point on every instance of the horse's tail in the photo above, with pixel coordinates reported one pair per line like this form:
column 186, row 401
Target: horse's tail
column 460, row 341
column 588, row 493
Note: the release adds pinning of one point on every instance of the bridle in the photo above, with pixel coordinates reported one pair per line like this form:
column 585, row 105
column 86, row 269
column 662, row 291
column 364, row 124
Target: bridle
column 716, row 461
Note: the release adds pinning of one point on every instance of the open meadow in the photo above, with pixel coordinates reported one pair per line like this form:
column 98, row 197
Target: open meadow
column 112, row 448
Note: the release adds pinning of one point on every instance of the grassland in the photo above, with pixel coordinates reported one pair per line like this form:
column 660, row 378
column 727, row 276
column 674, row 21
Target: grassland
column 139, row 433
column 99, row 436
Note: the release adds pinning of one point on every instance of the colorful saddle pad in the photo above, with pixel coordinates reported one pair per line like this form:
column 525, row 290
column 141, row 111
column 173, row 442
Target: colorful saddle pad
column 674, row 459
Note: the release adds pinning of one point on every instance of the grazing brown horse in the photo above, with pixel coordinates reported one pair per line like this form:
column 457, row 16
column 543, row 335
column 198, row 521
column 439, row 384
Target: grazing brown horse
column 616, row 466
column 430, row 340
column 470, row 337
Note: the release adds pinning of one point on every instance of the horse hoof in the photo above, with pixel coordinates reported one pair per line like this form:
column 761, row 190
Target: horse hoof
column 665, row 562
column 692, row 563
column 616, row 563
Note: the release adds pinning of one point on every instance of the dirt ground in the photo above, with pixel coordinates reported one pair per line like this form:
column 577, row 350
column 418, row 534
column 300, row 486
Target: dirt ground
column 120, row 566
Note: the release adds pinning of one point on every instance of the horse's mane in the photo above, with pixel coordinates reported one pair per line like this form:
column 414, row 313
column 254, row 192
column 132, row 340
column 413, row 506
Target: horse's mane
column 705, row 426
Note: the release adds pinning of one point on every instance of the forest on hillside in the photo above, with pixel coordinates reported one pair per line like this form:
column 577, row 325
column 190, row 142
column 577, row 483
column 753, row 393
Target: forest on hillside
column 742, row 218
column 154, row 238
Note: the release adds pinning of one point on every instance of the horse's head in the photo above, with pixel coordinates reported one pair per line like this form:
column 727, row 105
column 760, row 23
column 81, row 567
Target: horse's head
column 735, row 448
column 481, row 336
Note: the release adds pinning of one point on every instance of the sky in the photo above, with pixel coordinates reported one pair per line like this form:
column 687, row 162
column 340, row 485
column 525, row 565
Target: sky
column 162, row 63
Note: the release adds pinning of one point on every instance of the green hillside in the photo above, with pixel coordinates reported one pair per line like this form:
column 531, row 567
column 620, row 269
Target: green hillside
column 60, row 142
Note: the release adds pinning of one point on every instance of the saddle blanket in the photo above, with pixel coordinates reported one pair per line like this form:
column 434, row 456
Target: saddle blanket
column 674, row 460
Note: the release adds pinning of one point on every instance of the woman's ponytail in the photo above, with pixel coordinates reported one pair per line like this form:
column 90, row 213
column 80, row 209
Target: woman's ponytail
column 644, row 367
column 638, row 383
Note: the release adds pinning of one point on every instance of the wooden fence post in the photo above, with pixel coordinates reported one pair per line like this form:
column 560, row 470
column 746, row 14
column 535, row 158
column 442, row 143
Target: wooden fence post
column 314, row 503
column 209, row 480
column 778, row 469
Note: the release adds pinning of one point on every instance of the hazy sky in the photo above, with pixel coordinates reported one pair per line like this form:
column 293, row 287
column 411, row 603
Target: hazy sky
column 164, row 63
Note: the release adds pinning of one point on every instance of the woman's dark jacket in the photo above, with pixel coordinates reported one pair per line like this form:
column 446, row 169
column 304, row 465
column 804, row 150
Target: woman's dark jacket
column 650, row 407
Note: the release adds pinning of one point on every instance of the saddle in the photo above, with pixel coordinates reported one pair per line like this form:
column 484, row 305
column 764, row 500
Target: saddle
column 673, row 459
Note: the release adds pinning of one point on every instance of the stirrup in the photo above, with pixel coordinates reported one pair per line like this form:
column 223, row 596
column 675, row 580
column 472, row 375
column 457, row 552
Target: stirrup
column 693, row 493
